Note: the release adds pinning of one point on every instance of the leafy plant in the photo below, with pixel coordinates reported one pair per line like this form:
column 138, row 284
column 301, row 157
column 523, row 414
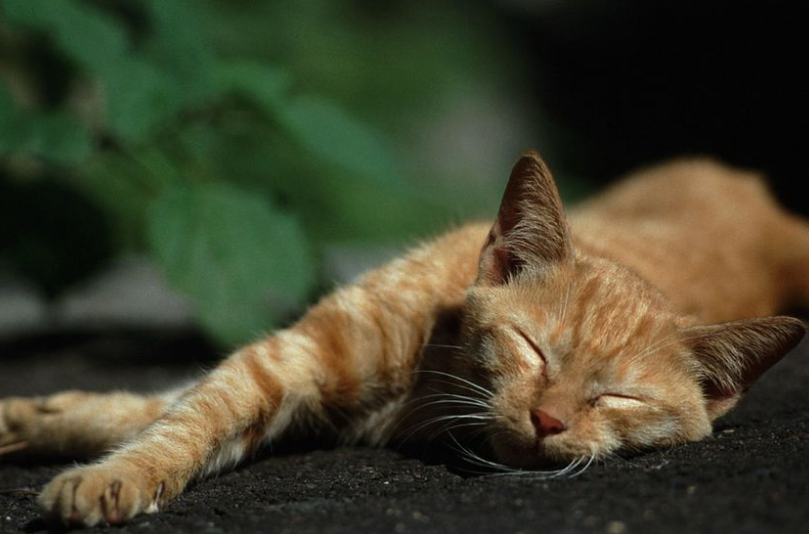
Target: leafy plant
column 213, row 161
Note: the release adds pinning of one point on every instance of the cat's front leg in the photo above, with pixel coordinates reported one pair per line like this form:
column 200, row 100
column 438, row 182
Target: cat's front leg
column 354, row 351
column 249, row 398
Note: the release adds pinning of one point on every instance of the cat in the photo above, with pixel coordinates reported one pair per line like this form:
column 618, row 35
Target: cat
column 541, row 341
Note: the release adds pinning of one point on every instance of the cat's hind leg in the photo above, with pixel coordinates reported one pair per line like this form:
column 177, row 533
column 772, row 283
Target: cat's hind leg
column 75, row 424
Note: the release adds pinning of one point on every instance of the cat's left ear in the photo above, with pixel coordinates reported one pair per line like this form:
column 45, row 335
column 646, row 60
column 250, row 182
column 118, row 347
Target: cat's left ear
column 530, row 229
column 732, row 356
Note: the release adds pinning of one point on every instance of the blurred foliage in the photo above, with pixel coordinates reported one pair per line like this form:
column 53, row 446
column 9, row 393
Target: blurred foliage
column 230, row 140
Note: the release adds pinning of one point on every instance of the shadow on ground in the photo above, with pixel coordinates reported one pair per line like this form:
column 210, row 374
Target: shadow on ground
column 751, row 476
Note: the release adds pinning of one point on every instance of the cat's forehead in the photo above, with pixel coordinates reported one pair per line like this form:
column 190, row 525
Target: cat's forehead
column 587, row 300
column 591, row 308
column 588, row 289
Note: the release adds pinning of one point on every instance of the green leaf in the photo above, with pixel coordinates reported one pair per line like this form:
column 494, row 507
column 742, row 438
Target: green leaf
column 95, row 40
column 333, row 136
column 58, row 138
column 262, row 84
column 177, row 46
column 231, row 252
column 143, row 90
column 141, row 98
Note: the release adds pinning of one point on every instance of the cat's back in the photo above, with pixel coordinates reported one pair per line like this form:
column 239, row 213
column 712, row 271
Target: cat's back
column 705, row 233
column 684, row 190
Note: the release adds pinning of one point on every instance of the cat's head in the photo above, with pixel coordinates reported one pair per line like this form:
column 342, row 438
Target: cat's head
column 583, row 357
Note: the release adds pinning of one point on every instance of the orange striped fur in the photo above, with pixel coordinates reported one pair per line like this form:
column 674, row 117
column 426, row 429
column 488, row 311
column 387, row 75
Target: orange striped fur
column 541, row 339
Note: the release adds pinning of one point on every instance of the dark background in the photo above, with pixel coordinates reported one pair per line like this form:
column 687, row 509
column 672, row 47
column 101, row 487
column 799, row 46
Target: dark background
column 633, row 82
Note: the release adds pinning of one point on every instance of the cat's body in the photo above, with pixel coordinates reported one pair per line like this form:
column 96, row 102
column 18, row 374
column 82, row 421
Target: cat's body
column 547, row 345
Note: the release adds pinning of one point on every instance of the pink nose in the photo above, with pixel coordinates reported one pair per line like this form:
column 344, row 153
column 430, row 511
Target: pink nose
column 545, row 424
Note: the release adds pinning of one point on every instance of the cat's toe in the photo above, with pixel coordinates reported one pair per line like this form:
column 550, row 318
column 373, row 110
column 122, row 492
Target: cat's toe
column 90, row 495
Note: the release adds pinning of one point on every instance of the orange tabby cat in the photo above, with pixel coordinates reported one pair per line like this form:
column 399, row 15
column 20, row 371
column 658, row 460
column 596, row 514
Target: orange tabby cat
column 559, row 342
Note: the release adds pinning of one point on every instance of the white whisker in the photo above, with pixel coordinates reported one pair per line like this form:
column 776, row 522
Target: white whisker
column 543, row 475
column 449, row 428
column 469, row 383
column 585, row 468
column 455, row 403
column 477, row 459
column 477, row 417
column 449, row 397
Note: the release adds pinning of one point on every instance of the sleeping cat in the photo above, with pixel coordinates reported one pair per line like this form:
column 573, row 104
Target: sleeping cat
column 536, row 342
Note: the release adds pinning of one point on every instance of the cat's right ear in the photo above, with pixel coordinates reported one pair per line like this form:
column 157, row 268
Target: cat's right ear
column 530, row 230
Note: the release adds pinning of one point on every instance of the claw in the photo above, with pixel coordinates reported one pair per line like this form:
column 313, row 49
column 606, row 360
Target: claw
column 113, row 515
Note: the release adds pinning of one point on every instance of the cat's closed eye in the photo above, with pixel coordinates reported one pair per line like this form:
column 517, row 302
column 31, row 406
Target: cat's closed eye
column 534, row 348
column 616, row 400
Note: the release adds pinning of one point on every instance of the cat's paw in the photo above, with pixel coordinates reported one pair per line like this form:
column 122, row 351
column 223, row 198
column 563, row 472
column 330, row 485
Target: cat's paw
column 99, row 493
column 72, row 424
column 16, row 415
column 32, row 425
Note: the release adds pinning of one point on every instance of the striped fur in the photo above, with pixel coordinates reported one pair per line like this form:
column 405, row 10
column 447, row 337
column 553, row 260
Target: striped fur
column 596, row 323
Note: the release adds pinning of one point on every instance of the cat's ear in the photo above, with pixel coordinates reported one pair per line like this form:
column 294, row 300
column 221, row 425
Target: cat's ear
column 731, row 356
column 530, row 229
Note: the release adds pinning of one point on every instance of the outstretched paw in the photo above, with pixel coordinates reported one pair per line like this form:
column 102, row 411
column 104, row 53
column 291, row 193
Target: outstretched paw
column 36, row 426
column 73, row 423
column 16, row 417
column 100, row 493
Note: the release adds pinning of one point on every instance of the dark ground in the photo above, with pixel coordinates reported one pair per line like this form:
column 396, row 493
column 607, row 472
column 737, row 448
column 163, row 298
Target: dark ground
column 750, row 476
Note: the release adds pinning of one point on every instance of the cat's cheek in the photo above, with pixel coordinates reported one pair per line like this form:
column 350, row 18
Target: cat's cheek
column 660, row 427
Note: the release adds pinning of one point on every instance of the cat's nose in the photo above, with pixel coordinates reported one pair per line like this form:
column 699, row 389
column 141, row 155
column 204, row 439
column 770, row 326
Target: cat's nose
column 546, row 424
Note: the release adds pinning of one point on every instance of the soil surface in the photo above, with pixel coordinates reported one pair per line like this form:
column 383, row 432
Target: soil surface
column 752, row 475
